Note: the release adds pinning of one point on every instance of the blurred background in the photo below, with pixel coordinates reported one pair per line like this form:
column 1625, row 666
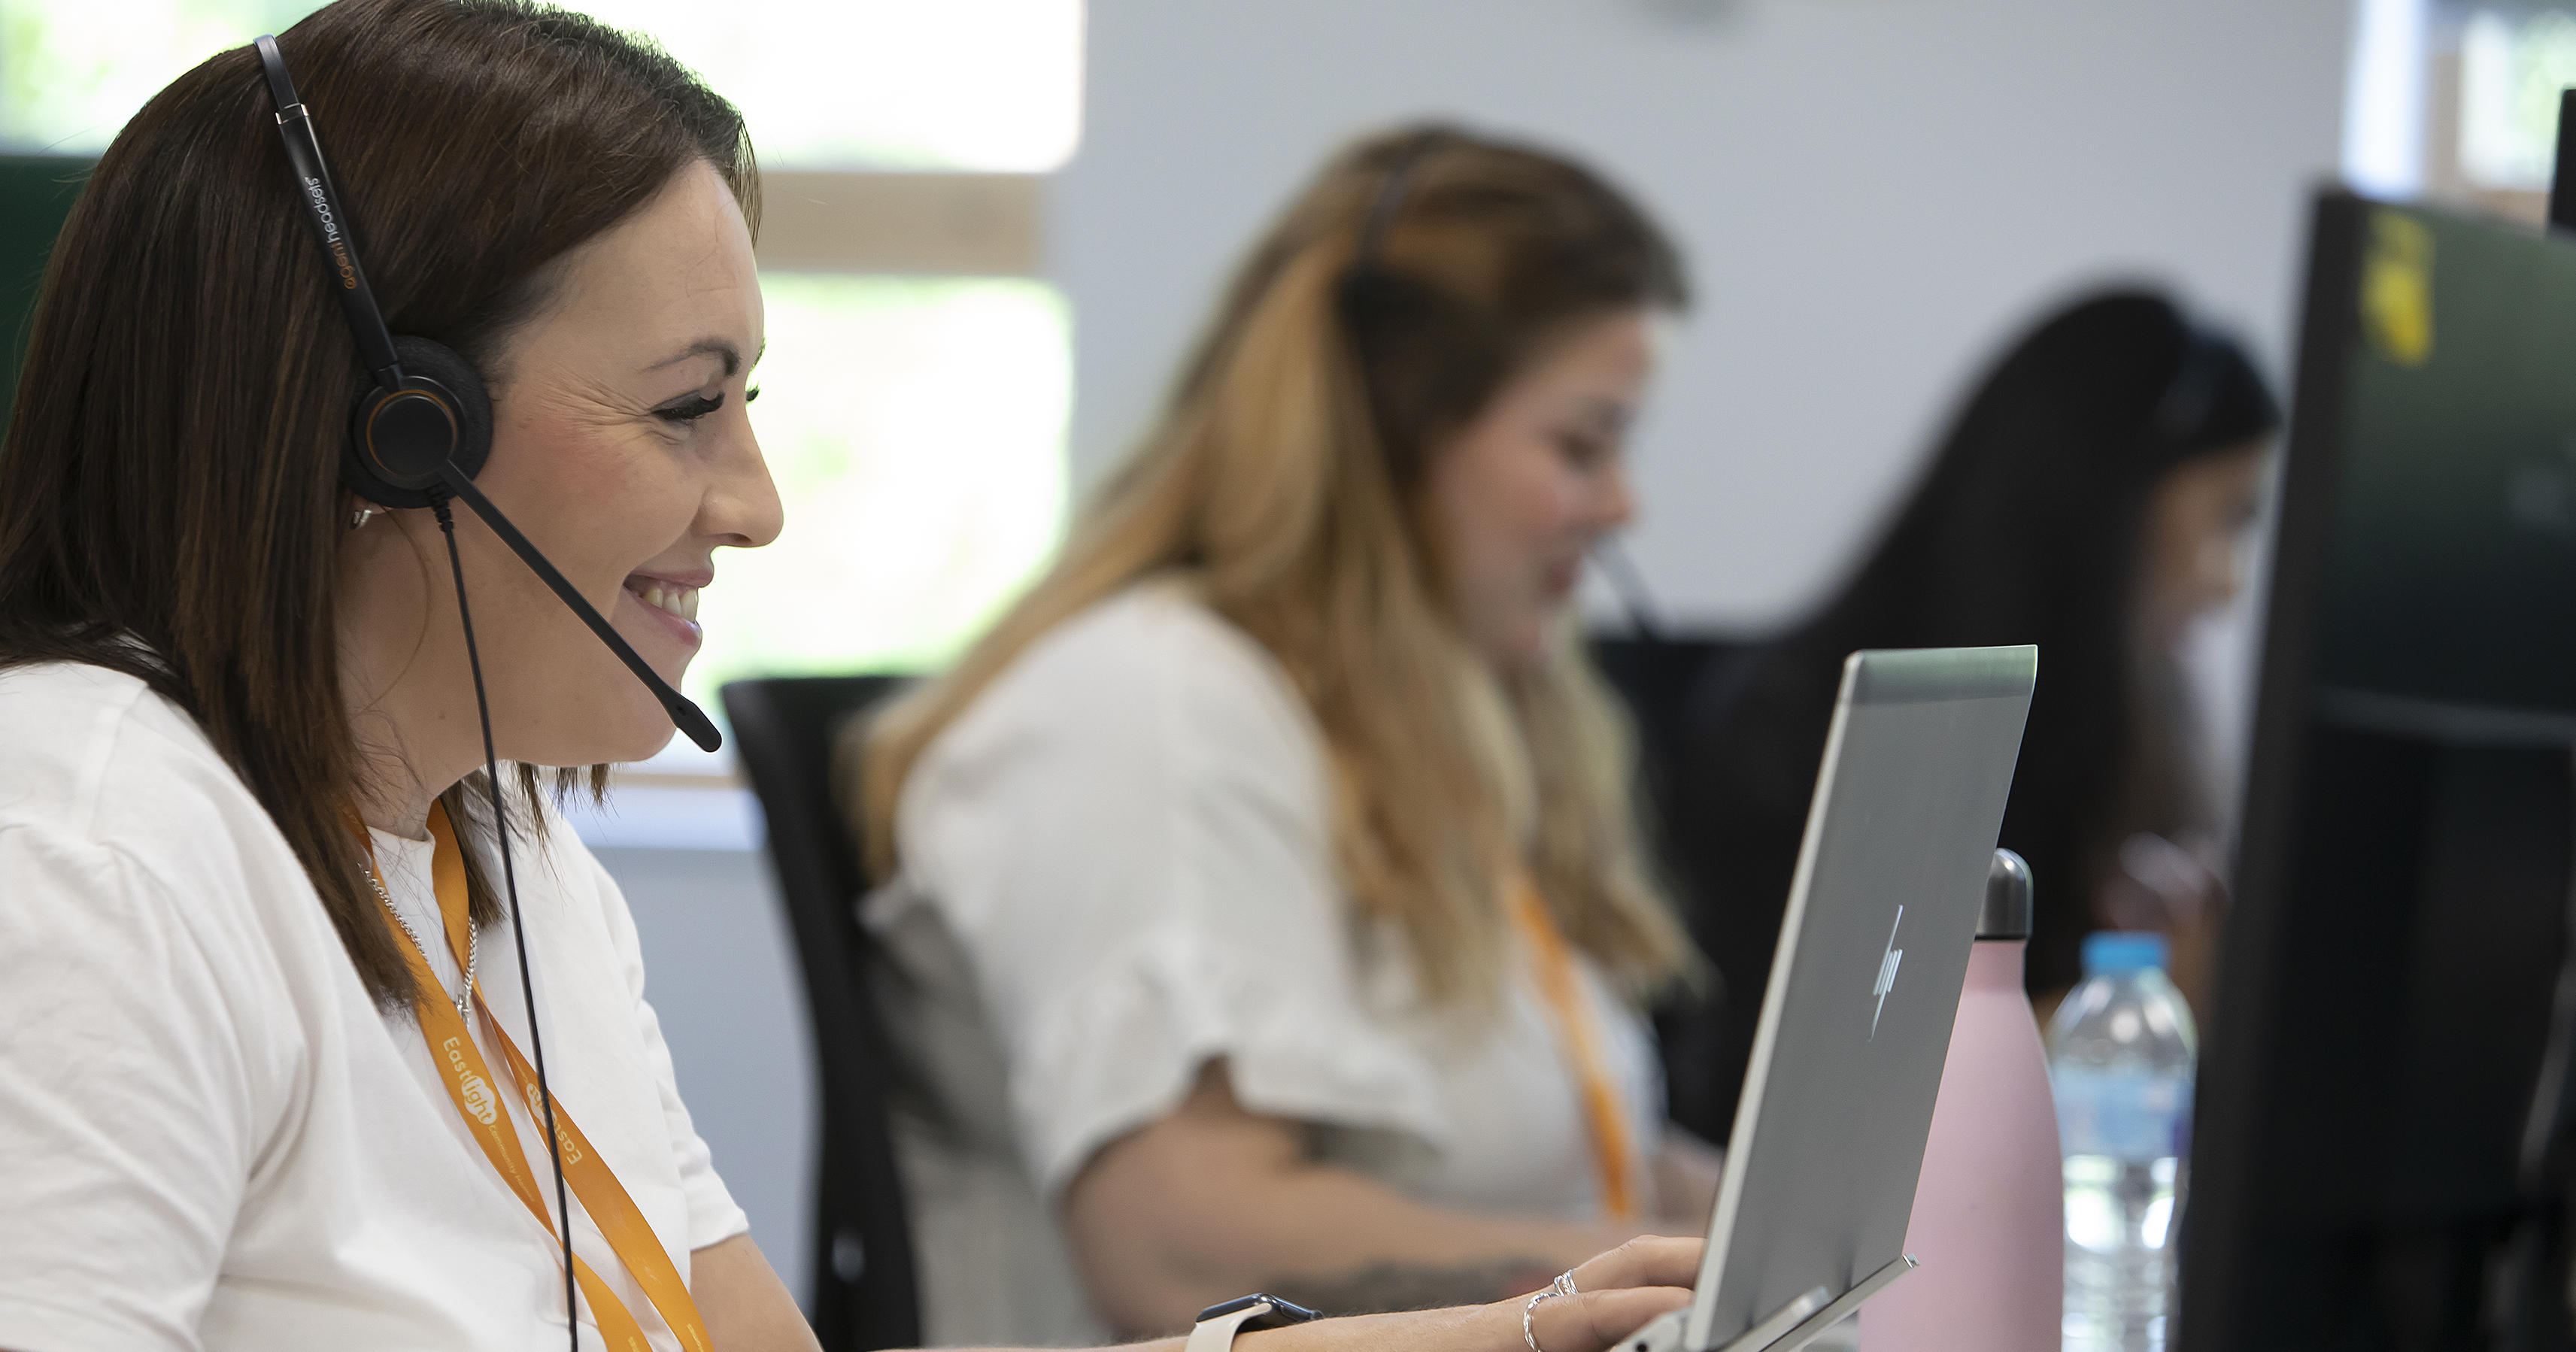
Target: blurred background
column 991, row 225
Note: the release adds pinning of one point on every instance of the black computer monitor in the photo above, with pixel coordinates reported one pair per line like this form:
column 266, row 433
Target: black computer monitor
column 2380, row 1158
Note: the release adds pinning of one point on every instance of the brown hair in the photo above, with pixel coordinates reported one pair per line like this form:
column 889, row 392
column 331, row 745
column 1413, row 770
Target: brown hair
column 1286, row 478
column 170, row 502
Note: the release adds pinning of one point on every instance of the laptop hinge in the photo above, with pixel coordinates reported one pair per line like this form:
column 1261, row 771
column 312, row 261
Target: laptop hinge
column 1803, row 1320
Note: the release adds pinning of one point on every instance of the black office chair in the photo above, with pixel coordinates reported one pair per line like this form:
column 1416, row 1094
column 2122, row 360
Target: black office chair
column 862, row 1295
column 1654, row 675
column 36, row 193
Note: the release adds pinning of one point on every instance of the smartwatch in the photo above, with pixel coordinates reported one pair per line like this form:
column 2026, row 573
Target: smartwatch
column 1217, row 1324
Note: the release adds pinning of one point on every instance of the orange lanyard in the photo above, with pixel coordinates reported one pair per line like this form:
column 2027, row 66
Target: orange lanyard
column 469, row 1083
column 1562, row 984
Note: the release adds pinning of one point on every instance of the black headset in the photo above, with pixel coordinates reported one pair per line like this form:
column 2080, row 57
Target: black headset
column 2198, row 375
column 1369, row 291
column 423, row 428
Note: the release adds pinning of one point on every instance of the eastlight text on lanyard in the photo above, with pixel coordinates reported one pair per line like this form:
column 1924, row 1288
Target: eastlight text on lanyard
column 471, row 1086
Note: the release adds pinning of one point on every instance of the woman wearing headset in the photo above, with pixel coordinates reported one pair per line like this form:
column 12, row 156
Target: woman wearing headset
column 1261, row 894
column 261, row 1082
column 2093, row 496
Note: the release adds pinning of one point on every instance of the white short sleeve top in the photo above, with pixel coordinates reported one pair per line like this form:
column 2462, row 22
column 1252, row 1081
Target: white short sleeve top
column 1117, row 867
column 213, row 1138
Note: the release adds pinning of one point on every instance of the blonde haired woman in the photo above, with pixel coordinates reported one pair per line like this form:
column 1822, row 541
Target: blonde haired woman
column 1261, row 895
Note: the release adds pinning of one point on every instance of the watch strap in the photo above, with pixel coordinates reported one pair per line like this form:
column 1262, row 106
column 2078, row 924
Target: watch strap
column 1218, row 1324
column 1217, row 1335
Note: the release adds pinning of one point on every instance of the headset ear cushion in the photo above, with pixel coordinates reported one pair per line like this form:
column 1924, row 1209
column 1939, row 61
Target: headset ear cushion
column 439, row 362
column 396, row 472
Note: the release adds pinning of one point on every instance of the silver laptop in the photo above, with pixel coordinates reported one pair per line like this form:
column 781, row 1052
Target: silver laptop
column 1828, row 1138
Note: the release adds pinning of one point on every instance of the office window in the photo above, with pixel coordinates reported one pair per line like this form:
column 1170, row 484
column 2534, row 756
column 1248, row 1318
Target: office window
column 72, row 71
column 2512, row 67
column 974, row 85
column 984, row 85
column 915, row 427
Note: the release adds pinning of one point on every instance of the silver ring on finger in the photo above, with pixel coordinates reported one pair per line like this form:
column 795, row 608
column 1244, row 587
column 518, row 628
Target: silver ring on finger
column 1562, row 1286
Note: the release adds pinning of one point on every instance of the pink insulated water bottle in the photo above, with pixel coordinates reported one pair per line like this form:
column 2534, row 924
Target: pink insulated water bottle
column 1990, row 1210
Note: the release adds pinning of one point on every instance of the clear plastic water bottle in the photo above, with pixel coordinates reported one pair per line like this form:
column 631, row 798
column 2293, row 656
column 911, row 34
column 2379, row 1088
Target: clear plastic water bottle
column 2121, row 1053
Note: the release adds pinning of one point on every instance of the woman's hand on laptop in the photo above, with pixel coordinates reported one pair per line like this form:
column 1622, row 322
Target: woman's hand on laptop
column 1617, row 1294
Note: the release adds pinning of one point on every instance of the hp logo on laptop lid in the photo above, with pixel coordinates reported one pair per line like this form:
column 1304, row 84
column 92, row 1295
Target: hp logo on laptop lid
column 1887, row 965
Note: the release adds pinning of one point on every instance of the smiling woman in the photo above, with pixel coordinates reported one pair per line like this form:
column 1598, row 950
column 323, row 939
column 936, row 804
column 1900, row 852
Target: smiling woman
column 619, row 442
column 244, row 771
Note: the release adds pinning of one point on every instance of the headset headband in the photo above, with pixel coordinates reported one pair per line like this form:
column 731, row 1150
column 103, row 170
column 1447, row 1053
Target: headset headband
column 1390, row 199
column 2189, row 396
column 321, row 203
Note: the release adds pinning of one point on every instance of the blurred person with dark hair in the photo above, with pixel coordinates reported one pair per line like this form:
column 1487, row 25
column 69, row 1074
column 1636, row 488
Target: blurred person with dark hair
column 2093, row 497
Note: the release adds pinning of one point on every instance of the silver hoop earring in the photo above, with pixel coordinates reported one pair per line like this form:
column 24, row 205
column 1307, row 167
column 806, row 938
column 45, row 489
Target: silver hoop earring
column 363, row 515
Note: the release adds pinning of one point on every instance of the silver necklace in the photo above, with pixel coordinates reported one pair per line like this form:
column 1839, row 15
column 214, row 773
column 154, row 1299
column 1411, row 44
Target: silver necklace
column 473, row 944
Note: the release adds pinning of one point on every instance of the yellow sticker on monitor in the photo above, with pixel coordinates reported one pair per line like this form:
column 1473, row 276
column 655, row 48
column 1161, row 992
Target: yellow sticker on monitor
column 2397, row 288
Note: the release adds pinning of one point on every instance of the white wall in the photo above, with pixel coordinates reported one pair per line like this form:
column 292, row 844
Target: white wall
column 1871, row 192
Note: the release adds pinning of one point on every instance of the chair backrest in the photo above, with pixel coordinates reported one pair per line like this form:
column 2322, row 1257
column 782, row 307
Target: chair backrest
column 1654, row 676
column 36, row 193
column 863, row 1294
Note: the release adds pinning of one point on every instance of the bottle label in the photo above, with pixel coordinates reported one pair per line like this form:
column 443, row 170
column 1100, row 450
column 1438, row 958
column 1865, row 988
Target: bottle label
column 2125, row 1114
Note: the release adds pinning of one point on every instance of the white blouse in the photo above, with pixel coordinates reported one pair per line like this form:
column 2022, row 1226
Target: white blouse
column 212, row 1138
column 1117, row 867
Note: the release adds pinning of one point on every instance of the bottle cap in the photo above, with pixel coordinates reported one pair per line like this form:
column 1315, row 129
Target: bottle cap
column 2111, row 952
column 2007, row 910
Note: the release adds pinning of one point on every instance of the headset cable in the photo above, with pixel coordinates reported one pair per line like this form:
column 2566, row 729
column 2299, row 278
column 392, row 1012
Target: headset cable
column 518, row 930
